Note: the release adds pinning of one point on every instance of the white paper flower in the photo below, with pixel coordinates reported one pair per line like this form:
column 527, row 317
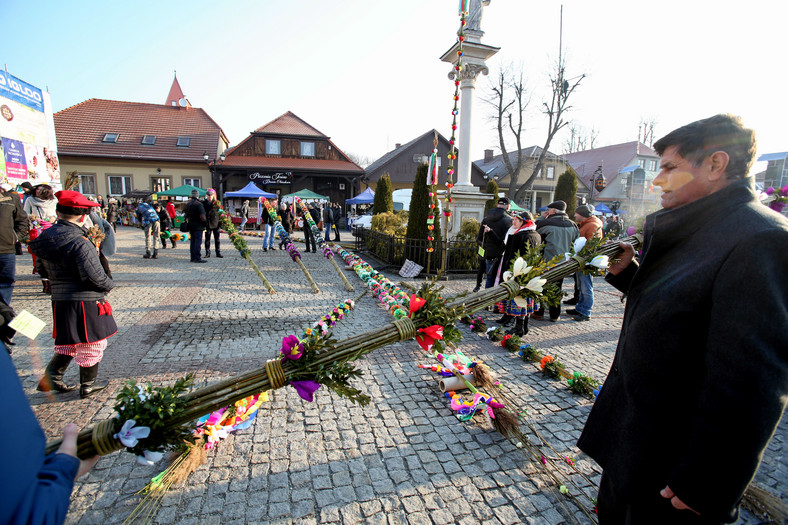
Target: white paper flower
column 149, row 458
column 536, row 284
column 567, row 256
column 521, row 267
column 522, row 302
column 129, row 435
column 507, row 275
column 600, row 261
column 580, row 242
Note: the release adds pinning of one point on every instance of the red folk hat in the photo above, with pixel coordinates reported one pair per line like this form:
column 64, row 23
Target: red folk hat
column 74, row 199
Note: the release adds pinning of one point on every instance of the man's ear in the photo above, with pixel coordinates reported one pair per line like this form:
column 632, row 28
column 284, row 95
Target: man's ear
column 718, row 164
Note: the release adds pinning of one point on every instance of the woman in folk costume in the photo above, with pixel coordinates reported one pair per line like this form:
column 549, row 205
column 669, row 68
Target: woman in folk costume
column 82, row 317
column 521, row 233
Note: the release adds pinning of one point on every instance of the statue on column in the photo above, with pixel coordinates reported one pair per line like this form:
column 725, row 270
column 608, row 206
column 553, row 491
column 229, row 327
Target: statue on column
column 474, row 20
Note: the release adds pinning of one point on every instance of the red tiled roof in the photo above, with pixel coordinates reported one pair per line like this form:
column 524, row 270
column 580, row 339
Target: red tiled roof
column 80, row 130
column 289, row 124
column 310, row 164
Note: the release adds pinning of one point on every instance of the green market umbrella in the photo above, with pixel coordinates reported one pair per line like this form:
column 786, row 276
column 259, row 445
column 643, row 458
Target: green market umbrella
column 181, row 191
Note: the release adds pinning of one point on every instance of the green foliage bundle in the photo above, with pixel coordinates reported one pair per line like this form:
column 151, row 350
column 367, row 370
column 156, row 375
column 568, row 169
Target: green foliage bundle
column 384, row 202
column 566, row 190
column 436, row 312
column 154, row 407
column 583, row 385
column 492, row 187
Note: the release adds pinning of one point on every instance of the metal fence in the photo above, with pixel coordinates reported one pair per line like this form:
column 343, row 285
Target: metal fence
column 461, row 256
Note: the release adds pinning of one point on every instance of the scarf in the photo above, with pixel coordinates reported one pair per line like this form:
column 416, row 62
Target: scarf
column 512, row 231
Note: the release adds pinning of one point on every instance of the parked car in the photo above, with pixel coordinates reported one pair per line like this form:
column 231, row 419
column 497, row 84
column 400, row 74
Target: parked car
column 365, row 221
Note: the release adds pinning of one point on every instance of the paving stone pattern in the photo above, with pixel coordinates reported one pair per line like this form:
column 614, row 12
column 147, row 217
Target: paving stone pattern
column 404, row 459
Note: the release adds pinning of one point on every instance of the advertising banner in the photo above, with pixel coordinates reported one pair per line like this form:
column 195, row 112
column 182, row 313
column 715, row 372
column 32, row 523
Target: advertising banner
column 27, row 134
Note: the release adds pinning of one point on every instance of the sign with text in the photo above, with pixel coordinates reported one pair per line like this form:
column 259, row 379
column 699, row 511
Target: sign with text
column 27, row 128
column 272, row 177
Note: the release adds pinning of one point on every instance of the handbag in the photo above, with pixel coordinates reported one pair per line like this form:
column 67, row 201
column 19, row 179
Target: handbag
column 184, row 226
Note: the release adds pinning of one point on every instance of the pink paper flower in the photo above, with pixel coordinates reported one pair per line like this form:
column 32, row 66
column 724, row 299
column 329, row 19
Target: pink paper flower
column 305, row 389
column 292, row 348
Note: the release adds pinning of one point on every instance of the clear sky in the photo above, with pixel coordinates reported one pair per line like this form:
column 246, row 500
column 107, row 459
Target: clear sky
column 368, row 73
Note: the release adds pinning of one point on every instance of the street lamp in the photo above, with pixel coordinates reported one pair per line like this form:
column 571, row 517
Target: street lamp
column 212, row 164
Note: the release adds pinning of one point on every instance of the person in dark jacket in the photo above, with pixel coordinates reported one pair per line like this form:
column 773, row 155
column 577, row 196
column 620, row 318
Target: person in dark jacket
column 39, row 490
column 520, row 235
column 194, row 215
column 309, row 236
column 164, row 225
column 699, row 380
column 149, row 220
column 81, row 315
column 270, row 230
column 558, row 233
column 337, row 209
column 112, row 214
column 286, row 218
column 328, row 221
column 210, row 205
column 13, row 225
column 491, row 233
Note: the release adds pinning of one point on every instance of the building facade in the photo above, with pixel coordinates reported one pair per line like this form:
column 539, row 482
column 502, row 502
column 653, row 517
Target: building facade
column 116, row 147
column 287, row 155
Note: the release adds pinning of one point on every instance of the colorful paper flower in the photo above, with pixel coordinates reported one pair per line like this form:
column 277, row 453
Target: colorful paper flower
column 149, row 458
column 600, row 261
column 579, row 244
column 306, row 389
column 292, row 348
column 536, row 284
column 129, row 435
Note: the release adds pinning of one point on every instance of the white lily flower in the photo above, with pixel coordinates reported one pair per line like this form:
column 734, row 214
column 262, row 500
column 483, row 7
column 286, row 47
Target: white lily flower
column 520, row 301
column 521, row 267
column 536, row 284
column 580, row 242
column 600, row 261
column 507, row 275
column 149, row 458
column 567, row 256
column 129, row 435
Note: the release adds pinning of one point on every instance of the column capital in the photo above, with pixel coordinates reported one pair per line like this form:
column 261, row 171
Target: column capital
column 469, row 72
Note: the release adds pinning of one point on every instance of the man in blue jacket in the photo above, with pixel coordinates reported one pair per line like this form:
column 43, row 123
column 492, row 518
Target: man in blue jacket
column 699, row 381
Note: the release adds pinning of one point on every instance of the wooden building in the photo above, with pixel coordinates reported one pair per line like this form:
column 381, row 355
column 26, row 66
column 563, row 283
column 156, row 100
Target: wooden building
column 287, row 155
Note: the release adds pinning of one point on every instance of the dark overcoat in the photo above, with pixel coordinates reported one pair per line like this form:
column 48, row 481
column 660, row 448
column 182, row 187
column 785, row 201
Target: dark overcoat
column 699, row 380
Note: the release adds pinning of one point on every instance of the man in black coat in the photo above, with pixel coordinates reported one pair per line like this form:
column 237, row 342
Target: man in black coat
column 490, row 237
column 196, row 220
column 699, row 381
column 13, row 225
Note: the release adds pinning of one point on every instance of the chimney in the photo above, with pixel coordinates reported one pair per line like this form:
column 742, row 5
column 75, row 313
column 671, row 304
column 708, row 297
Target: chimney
column 397, row 145
column 488, row 155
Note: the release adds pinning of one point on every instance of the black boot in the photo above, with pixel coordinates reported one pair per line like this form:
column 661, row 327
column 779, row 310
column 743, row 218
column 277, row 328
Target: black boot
column 147, row 254
column 87, row 378
column 207, row 253
column 173, row 242
column 506, row 320
column 53, row 375
column 47, row 286
column 520, row 327
column 155, row 254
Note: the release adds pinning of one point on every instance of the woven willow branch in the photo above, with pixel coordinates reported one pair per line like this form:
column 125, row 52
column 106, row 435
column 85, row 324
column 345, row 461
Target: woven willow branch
column 99, row 440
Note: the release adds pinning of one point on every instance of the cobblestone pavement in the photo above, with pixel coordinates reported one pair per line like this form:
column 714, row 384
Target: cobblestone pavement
column 403, row 459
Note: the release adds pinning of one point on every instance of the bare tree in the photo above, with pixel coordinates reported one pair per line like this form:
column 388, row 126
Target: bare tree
column 509, row 100
column 361, row 160
column 646, row 130
column 562, row 89
column 580, row 138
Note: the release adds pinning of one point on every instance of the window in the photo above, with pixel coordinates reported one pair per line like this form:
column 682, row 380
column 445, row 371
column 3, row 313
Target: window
column 197, row 183
column 652, row 165
column 642, row 163
column 119, row 184
column 183, row 142
column 273, row 147
column 550, row 172
column 87, row 184
column 307, row 149
column 110, row 137
column 149, row 140
column 158, row 184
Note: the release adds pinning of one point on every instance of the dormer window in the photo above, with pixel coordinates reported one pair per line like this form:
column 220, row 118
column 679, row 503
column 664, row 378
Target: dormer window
column 183, row 142
column 149, row 140
column 110, row 137
column 307, row 149
column 273, row 147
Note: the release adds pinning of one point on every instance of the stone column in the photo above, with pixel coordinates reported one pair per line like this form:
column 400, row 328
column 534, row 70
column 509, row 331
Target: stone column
column 473, row 63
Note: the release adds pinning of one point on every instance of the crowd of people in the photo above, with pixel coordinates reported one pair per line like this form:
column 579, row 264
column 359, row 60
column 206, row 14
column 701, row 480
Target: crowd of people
column 697, row 386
